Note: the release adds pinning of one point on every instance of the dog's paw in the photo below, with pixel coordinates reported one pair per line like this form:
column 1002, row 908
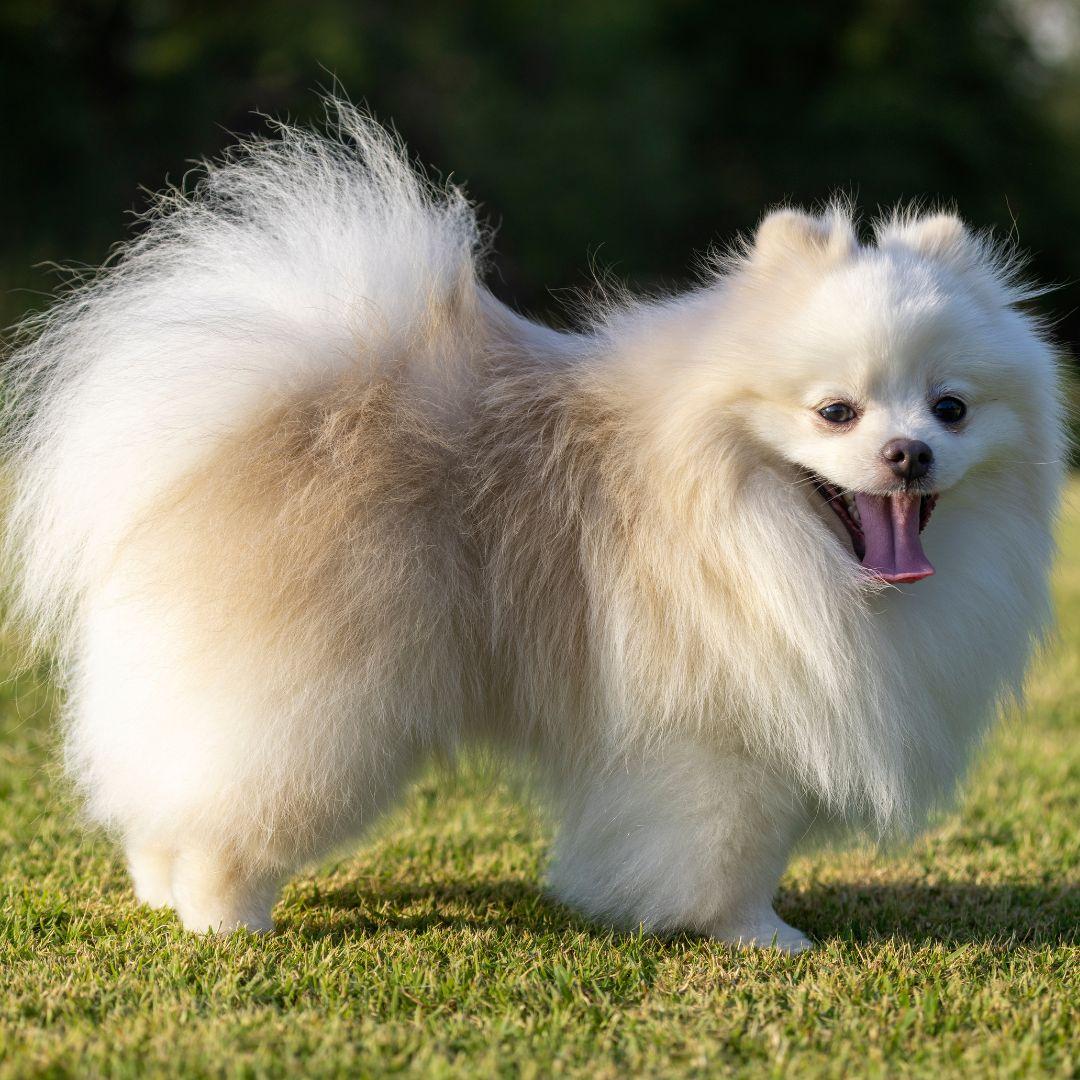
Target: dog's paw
column 209, row 921
column 768, row 931
column 212, row 895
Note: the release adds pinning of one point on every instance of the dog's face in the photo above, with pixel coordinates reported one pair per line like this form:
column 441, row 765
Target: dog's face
column 891, row 374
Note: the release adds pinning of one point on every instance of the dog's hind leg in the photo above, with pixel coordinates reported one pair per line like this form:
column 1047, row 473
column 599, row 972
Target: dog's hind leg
column 210, row 890
column 220, row 892
column 151, row 869
column 226, row 768
column 691, row 840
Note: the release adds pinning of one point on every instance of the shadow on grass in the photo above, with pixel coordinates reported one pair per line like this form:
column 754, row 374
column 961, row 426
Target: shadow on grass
column 949, row 913
column 370, row 908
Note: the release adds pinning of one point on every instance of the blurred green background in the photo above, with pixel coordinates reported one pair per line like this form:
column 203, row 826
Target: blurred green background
column 625, row 134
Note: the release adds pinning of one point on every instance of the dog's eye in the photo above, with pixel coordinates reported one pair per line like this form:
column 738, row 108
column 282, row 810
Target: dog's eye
column 839, row 412
column 949, row 410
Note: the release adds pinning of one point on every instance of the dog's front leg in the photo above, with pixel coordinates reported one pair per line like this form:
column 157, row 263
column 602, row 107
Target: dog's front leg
column 689, row 839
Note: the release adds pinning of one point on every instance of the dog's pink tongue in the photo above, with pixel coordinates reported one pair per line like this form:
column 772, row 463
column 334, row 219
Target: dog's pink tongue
column 890, row 525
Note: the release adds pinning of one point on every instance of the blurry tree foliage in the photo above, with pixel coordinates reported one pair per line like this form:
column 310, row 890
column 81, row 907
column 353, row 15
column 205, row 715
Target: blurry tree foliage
column 624, row 134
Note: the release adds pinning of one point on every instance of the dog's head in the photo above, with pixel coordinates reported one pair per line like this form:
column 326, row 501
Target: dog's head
column 889, row 374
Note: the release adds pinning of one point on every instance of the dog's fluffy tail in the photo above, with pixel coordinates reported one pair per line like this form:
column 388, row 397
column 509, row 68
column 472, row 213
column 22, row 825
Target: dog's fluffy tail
column 283, row 265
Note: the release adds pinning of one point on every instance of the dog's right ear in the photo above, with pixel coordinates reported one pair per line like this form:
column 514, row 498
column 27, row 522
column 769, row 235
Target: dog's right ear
column 787, row 235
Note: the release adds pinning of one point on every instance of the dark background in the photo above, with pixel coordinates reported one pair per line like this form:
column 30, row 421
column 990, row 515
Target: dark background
column 624, row 134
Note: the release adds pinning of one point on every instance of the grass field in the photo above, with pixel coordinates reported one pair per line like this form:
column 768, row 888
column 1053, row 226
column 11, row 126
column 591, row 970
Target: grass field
column 432, row 950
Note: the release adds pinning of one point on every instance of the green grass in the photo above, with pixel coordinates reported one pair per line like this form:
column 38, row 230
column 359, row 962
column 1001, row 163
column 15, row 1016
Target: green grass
column 433, row 951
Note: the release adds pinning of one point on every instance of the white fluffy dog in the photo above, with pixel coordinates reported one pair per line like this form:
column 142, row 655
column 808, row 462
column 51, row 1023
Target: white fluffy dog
column 298, row 503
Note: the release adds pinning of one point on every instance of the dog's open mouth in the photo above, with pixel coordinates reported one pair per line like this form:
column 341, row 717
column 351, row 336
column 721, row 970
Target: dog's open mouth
column 884, row 529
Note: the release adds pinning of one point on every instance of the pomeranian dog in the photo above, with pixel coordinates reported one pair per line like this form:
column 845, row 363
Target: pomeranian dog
column 297, row 503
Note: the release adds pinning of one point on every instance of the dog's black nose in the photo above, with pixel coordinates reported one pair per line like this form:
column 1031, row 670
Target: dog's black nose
column 908, row 458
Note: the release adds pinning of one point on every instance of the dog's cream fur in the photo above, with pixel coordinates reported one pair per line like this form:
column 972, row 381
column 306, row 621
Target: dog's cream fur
column 299, row 503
